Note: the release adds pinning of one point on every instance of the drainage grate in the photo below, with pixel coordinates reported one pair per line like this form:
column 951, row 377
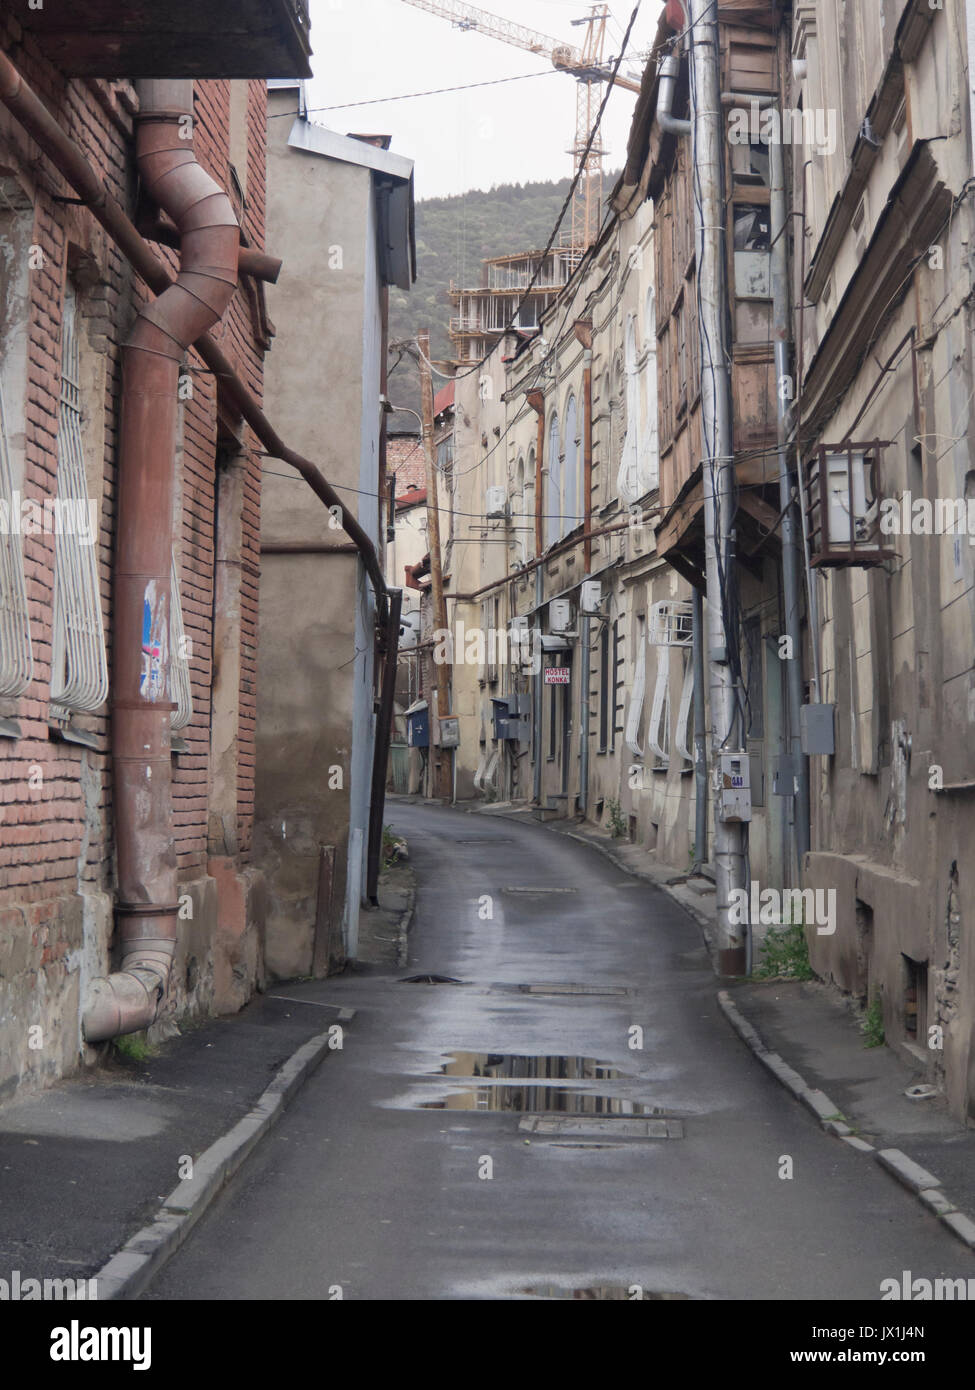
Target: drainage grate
column 429, row 980
column 601, row 1126
column 484, row 840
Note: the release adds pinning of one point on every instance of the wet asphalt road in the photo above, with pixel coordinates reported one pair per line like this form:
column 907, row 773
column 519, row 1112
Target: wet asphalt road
column 361, row 1190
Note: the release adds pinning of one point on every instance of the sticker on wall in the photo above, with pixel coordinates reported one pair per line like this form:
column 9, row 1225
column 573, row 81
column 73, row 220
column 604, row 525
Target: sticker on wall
column 154, row 624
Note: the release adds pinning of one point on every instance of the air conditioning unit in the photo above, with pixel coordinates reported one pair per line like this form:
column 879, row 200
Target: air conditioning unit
column 590, row 596
column 497, row 502
column 560, row 615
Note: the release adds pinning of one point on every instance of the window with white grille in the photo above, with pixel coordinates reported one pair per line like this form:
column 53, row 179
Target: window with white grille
column 79, row 671
column 181, row 692
column 16, row 656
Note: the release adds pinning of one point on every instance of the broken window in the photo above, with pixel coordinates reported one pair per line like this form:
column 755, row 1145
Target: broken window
column 752, row 250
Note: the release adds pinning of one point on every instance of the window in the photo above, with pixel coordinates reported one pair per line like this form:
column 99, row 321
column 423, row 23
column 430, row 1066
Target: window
column 16, row 656
column 553, row 491
column 604, row 700
column 628, row 481
column 753, row 246
column 658, row 735
column 79, row 671
column 634, row 714
column 529, row 542
column 571, row 518
column 181, row 692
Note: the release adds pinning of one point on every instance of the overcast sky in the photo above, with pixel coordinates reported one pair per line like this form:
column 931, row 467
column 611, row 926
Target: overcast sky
column 365, row 49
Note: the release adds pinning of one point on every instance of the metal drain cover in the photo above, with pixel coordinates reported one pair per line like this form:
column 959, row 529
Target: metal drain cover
column 601, row 1126
column 596, row 991
column 536, row 891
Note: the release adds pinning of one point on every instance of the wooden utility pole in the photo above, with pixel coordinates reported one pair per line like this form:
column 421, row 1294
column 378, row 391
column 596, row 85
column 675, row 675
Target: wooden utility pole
column 442, row 768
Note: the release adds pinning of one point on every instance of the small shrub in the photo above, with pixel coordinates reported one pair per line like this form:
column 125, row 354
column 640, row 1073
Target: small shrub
column 617, row 821
column 872, row 1024
column 134, row 1047
column 785, row 954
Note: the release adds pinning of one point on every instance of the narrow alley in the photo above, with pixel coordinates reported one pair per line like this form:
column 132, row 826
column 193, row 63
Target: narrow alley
column 375, row 1186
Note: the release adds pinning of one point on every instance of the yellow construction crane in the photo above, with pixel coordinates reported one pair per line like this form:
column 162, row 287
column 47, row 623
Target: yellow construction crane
column 585, row 64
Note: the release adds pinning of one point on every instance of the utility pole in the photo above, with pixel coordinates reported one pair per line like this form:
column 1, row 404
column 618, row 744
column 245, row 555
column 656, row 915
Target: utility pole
column 730, row 837
column 442, row 778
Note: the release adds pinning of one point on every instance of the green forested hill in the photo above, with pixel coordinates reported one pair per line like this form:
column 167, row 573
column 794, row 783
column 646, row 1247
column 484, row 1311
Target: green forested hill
column 453, row 236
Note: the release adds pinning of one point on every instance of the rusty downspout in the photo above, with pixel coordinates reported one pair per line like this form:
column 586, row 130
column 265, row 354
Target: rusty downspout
column 147, row 907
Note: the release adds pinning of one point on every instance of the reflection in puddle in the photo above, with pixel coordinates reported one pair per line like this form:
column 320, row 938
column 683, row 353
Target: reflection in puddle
column 597, row 1292
column 532, row 1085
column 502, row 1065
column 535, row 1099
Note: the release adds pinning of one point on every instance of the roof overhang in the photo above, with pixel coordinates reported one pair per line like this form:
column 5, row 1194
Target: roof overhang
column 181, row 38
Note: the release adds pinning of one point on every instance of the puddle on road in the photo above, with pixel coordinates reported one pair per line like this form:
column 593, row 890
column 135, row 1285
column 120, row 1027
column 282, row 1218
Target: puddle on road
column 533, row 1085
column 631, row 1293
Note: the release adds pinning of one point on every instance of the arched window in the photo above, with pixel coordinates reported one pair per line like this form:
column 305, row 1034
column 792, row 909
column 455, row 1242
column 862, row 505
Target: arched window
column 570, row 515
column 530, row 504
column 553, row 490
column 520, row 510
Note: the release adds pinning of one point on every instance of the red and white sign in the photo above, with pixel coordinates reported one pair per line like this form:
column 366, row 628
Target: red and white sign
column 557, row 675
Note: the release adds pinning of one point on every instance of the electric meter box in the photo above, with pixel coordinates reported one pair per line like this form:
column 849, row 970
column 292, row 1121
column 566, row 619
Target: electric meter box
column 817, row 734
column 418, row 725
column 734, row 788
column 511, row 717
column 449, row 731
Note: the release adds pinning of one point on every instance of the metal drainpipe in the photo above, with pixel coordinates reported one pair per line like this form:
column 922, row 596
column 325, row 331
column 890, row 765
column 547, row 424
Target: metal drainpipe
column 669, row 68
column 790, row 543
column 147, row 906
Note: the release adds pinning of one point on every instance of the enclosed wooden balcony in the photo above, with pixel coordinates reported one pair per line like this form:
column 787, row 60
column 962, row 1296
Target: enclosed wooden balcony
column 181, row 38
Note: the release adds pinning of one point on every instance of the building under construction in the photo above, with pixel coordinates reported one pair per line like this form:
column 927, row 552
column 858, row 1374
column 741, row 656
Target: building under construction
column 483, row 313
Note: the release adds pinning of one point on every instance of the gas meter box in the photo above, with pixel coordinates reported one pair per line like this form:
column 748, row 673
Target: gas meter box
column 734, row 788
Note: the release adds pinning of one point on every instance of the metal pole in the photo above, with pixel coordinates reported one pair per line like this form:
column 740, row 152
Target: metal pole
column 790, row 543
column 380, row 754
column 700, row 745
column 730, row 838
column 443, row 780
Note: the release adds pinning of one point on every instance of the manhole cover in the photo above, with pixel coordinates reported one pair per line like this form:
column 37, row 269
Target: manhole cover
column 429, row 980
column 632, row 1293
column 484, row 840
column 601, row 1126
column 593, row 991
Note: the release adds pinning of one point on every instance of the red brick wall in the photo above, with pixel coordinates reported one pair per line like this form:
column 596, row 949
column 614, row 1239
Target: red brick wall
column 44, row 832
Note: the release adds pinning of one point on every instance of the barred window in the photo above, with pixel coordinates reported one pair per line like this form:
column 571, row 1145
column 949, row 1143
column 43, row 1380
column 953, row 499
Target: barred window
column 181, row 692
column 16, row 655
column 79, row 671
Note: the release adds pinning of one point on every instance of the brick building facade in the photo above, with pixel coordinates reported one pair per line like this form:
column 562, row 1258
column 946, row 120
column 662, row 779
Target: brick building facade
column 61, row 277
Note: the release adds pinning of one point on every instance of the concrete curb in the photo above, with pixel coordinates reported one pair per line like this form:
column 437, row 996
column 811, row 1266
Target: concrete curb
column 129, row 1271
column 925, row 1186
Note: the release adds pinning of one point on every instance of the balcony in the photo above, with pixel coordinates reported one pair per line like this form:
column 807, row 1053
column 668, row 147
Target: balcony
column 181, row 38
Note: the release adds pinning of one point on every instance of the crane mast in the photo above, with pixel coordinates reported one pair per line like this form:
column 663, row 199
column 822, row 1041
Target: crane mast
column 586, row 64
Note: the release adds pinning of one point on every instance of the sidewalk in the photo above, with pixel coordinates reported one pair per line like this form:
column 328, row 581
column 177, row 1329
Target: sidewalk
column 93, row 1177
column 808, row 1036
